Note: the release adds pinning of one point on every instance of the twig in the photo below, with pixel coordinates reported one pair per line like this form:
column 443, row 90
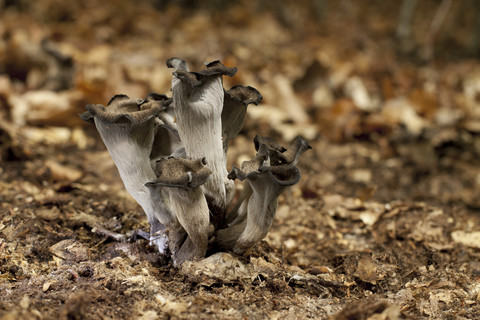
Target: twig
column 110, row 234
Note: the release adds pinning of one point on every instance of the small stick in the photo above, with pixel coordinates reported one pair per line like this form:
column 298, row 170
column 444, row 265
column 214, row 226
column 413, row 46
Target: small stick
column 110, row 234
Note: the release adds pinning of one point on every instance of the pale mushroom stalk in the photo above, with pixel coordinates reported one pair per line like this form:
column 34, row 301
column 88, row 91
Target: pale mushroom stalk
column 182, row 178
column 267, row 176
column 198, row 99
column 127, row 132
column 133, row 164
column 236, row 218
column 262, row 206
column 192, row 213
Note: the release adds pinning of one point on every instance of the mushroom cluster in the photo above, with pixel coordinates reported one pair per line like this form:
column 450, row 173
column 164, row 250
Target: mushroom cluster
column 171, row 154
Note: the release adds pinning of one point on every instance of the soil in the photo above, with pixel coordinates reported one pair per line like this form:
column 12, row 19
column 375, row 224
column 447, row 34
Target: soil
column 384, row 223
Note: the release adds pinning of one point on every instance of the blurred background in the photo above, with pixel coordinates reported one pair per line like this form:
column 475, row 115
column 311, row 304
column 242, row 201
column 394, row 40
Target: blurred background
column 387, row 91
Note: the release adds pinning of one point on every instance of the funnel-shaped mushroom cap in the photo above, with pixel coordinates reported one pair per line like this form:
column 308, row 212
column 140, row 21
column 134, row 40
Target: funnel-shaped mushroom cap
column 194, row 79
column 181, row 173
column 250, row 168
column 234, row 110
column 278, row 154
column 282, row 171
column 177, row 64
column 214, row 68
column 267, row 179
column 154, row 99
column 122, row 109
column 268, row 142
column 293, row 153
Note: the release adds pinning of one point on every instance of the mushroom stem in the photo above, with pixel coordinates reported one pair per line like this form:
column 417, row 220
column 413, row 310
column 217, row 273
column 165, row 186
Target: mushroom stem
column 181, row 179
column 192, row 212
column 198, row 99
column 257, row 210
column 266, row 177
column 133, row 164
column 261, row 209
column 126, row 127
column 237, row 213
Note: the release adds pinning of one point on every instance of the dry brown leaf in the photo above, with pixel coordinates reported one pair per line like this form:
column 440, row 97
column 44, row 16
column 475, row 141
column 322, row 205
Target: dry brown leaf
column 70, row 250
column 60, row 173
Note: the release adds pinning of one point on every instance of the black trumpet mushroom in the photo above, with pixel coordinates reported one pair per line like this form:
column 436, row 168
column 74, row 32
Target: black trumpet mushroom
column 171, row 154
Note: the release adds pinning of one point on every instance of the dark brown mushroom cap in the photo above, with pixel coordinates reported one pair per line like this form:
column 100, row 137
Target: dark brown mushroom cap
column 296, row 149
column 154, row 100
column 273, row 149
column 283, row 175
column 278, row 154
column 177, row 64
column 234, row 110
column 215, row 68
column 181, row 173
column 122, row 109
column 249, row 167
column 282, row 169
column 244, row 94
column 269, row 142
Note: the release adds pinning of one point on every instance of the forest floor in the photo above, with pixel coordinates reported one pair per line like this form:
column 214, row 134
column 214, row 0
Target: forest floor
column 384, row 223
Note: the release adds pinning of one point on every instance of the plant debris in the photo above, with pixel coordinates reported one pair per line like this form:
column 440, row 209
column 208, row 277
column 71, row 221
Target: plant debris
column 382, row 225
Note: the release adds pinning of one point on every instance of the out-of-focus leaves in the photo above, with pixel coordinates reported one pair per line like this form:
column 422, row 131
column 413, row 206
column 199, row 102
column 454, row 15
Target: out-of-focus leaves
column 392, row 134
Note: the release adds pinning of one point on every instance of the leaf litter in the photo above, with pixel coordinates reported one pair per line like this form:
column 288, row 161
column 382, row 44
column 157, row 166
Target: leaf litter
column 383, row 224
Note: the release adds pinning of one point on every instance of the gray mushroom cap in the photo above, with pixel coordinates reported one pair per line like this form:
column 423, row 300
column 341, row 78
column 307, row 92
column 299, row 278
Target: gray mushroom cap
column 283, row 175
column 281, row 168
column 293, row 153
column 271, row 144
column 122, row 109
column 280, row 155
column 181, row 173
column 194, row 79
column 266, row 179
column 234, row 110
